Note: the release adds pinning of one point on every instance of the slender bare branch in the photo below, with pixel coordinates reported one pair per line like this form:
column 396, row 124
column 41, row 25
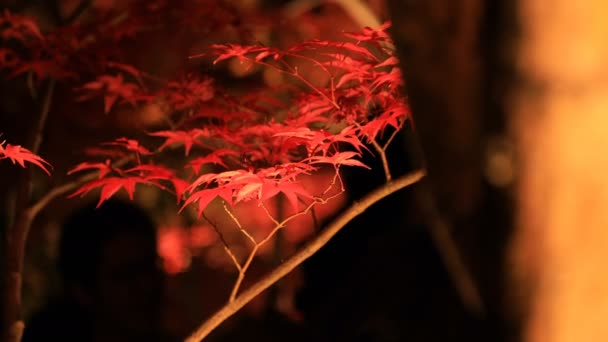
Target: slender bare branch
column 242, row 272
column 393, row 135
column 224, row 242
column 78, row 11
column 440, row 232
column 311, row 248
column 44, row 114
column 274, row 220
column 238, row 224
column 382, row 153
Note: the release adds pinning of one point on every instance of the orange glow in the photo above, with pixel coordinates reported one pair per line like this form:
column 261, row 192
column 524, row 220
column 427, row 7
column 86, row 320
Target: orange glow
column 561, row 249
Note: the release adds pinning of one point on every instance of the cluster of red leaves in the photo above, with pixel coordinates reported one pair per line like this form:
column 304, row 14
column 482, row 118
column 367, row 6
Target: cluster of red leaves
column 20, row 155
column 237, row 148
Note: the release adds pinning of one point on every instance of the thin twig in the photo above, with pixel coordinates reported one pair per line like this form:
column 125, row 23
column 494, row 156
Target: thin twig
column 293, row 72
column 274, row 220
column 242, row 272
column 238, row 224
column 382, row 153
column 243, row 269
column 452, row 259
column 269, row 236
column 44, row 114
column 311, row 248
column 82, row 7
column 393, row 135
column 224, row 242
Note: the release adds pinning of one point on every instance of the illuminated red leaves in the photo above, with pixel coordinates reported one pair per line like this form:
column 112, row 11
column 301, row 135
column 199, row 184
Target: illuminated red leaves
column 111, row 179
column 185, row 138
column 226, row 51
column 370, row 35
column 18, row 27
column 189, row 92
column 255, row 147
column 21, row 155
column 321, row 141
column 240, row 185
column 112, row 88
column 215, row 157
column 102, row 168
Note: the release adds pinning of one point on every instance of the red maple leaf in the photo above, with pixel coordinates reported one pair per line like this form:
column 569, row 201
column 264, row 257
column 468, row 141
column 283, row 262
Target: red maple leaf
column 43, row 69
column 20, row 155
column 187, row 138
column 215, row 157
column 129, row 144
column 338, row 159
column 103, row 168
column 205, row 196
column 291, row 189
column 155, row 173
column 18, row 27
column 371, row 35
column 109, row 186
column 112, row 88
column 226, row 51
column 190, row 91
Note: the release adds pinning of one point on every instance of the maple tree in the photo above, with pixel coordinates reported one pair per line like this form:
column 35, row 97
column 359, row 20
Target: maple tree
column 218, row 147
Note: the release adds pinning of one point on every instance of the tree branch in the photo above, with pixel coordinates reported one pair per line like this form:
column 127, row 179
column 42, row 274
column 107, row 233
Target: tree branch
column 219, row 233
column 452, row 259
column 82, row 7
column 63, row 189
column 16, row 235
column 311, row 248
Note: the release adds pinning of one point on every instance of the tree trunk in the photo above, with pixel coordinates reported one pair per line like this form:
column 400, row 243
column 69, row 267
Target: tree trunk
column 12, row 324
column 560, row 111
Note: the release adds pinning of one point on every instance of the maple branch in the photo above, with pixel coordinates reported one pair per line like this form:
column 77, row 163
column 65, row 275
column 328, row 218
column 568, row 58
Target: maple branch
column 382, row 152
column 273, row 232
column 385, row 167
column 30, row 85
column 294, row 73
column 453, row 261
column 263, row 206
column 242, row 269
column 310, row 207
column 78, row 11
column 242, row 273
column 70, row 186
column 306, row 252
column 44, row 114
column 238, row 224
column 224, row 242
column 392, row 137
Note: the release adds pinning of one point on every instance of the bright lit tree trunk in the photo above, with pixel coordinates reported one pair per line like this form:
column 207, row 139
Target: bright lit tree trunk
column 560, row 113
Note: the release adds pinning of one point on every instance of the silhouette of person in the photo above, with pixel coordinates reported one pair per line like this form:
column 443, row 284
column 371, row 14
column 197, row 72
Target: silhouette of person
column 112, row 287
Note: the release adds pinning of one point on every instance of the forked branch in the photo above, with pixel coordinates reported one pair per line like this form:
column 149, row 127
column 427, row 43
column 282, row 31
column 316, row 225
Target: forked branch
column 242, row 269
column 308, row 250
